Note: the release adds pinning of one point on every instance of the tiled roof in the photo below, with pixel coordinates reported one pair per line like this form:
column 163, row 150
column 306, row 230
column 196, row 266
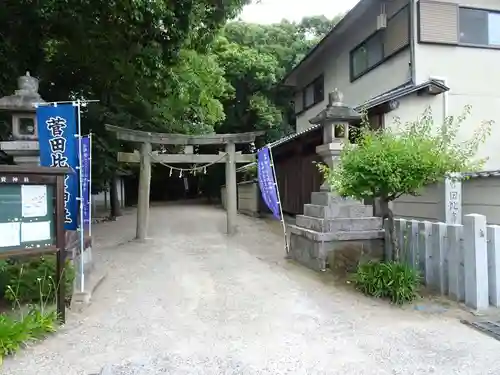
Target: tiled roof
column 393, row 94
column 494, row 173
column 290, row 137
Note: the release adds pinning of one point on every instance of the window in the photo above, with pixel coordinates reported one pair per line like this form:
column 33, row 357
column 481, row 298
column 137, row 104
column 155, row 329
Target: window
column 367, row 55
column 319, row 89
column 299, row 104
column 382, row 44
column 311, row 95
column 479, row 27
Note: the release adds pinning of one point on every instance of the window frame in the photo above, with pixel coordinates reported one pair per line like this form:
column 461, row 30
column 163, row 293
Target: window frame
column 316, row 98
column 379, row 34
column 459, row 31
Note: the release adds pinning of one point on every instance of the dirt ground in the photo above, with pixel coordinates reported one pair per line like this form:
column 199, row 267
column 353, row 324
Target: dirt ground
column 193, row 301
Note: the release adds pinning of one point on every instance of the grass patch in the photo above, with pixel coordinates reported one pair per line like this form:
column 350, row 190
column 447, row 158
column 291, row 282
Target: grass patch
column 29, row 287
column 16, row 332
column 395, row 281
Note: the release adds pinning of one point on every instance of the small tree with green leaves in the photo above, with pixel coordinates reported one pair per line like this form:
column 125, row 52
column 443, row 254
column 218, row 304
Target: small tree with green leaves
column 403, row 159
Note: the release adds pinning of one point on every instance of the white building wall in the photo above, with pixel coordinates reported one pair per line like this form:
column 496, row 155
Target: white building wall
column 334, row 63
column 473, row 75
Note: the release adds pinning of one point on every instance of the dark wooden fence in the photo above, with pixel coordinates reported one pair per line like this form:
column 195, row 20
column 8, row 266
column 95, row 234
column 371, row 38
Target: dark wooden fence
column 296, row 172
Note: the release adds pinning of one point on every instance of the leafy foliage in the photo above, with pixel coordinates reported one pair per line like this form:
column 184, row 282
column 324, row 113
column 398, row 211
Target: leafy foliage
column 32, row 280
column 16, row 332
column 147, row 62
column 405, row 158
column 396, row 281
column 155, row 65
column 255, row 59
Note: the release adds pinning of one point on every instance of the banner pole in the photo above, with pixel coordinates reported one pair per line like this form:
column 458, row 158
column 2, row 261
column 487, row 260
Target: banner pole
column 81, row 226
column 90, row 186
column 279, row 199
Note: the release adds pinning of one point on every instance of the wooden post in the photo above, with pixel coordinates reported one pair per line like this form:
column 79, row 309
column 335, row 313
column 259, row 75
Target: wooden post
column 231, row 188
column 144, row 186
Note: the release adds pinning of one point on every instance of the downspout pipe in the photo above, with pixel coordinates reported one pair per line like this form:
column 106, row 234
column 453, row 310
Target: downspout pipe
column 413, row 39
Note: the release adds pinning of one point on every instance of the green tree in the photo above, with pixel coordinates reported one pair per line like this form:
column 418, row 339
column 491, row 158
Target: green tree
column 145, row 61
column 255, row 58
column 403, row 160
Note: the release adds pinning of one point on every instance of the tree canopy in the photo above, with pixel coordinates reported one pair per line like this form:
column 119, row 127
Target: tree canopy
column 168, row 66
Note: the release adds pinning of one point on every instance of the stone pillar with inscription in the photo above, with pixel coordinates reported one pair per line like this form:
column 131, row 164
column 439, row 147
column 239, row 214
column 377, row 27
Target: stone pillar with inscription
column 335, row 231
column 453, row 199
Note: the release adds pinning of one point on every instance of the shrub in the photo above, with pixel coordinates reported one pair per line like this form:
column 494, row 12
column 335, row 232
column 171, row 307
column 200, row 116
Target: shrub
column 32, row 280
column 14, row 333
column 393, row 280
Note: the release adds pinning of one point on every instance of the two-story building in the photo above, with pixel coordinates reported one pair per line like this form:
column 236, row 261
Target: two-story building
column 395, row 58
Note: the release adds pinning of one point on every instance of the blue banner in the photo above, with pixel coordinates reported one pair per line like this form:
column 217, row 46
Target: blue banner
column 58, row 148
column 85, row 178
column 268, row 185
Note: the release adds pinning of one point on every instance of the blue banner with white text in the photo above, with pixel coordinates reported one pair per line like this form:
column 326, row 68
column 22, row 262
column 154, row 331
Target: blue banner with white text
column 58, row 148
column 268, row 185
column 85, row 176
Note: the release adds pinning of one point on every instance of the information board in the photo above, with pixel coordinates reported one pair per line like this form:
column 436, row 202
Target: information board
column 27, row 217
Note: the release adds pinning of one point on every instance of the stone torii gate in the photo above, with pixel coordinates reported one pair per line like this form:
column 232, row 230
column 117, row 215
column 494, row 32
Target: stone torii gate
column 145, row 157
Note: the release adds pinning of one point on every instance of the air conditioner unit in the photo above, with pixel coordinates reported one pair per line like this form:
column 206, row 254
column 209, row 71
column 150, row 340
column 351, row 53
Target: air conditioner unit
column 381, row 21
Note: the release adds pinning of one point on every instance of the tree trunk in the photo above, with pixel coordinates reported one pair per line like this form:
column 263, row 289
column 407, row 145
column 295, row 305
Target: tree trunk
column 113, row 198
column 388, row 215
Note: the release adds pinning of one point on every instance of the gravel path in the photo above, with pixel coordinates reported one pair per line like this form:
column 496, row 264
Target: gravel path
column 191, row 301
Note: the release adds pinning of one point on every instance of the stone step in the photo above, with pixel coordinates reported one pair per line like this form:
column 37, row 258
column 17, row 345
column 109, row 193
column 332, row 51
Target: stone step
column 327, row 198
column 338, row 211
column 339, row 224
column 334, row 236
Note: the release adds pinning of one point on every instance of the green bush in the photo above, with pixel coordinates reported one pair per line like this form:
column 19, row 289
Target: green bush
column 14, row 333
column 393, row 280
column 33, row 280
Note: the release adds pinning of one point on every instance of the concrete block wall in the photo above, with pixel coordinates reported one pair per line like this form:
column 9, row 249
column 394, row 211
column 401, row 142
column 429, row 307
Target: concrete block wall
column 248, row 198
column 480, row 195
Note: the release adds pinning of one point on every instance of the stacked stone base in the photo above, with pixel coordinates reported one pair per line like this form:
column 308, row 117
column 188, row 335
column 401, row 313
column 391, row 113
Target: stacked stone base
column 336, row 233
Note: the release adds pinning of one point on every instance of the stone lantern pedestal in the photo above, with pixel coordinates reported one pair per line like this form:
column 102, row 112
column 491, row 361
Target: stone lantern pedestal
column 334, row 231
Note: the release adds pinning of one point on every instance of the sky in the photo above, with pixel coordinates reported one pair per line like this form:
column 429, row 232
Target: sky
column 271, row 11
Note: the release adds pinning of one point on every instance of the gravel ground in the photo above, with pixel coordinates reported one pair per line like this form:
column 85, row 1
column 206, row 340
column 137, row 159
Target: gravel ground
column 192, row 301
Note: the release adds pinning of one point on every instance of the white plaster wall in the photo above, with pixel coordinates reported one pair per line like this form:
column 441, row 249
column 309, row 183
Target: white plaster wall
column 334, row 63
column 473, row 75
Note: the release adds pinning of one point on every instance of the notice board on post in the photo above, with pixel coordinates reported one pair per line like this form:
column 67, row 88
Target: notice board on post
column 27, row 216
column 32, row 216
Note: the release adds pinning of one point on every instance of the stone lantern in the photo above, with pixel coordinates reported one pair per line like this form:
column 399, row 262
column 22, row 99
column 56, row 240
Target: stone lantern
column 20, row 111
column 334, row 231
column 335, row 120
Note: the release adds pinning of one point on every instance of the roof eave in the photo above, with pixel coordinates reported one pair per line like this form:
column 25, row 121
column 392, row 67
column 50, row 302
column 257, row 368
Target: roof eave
column 323, row 40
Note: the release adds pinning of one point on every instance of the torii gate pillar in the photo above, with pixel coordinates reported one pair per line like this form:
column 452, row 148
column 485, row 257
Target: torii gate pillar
column 144, row 189
column 231, row 188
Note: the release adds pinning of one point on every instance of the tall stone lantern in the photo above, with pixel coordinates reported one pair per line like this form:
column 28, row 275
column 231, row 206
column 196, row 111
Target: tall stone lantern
column 335, row 232
column 19, row 114
column 335, row 120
